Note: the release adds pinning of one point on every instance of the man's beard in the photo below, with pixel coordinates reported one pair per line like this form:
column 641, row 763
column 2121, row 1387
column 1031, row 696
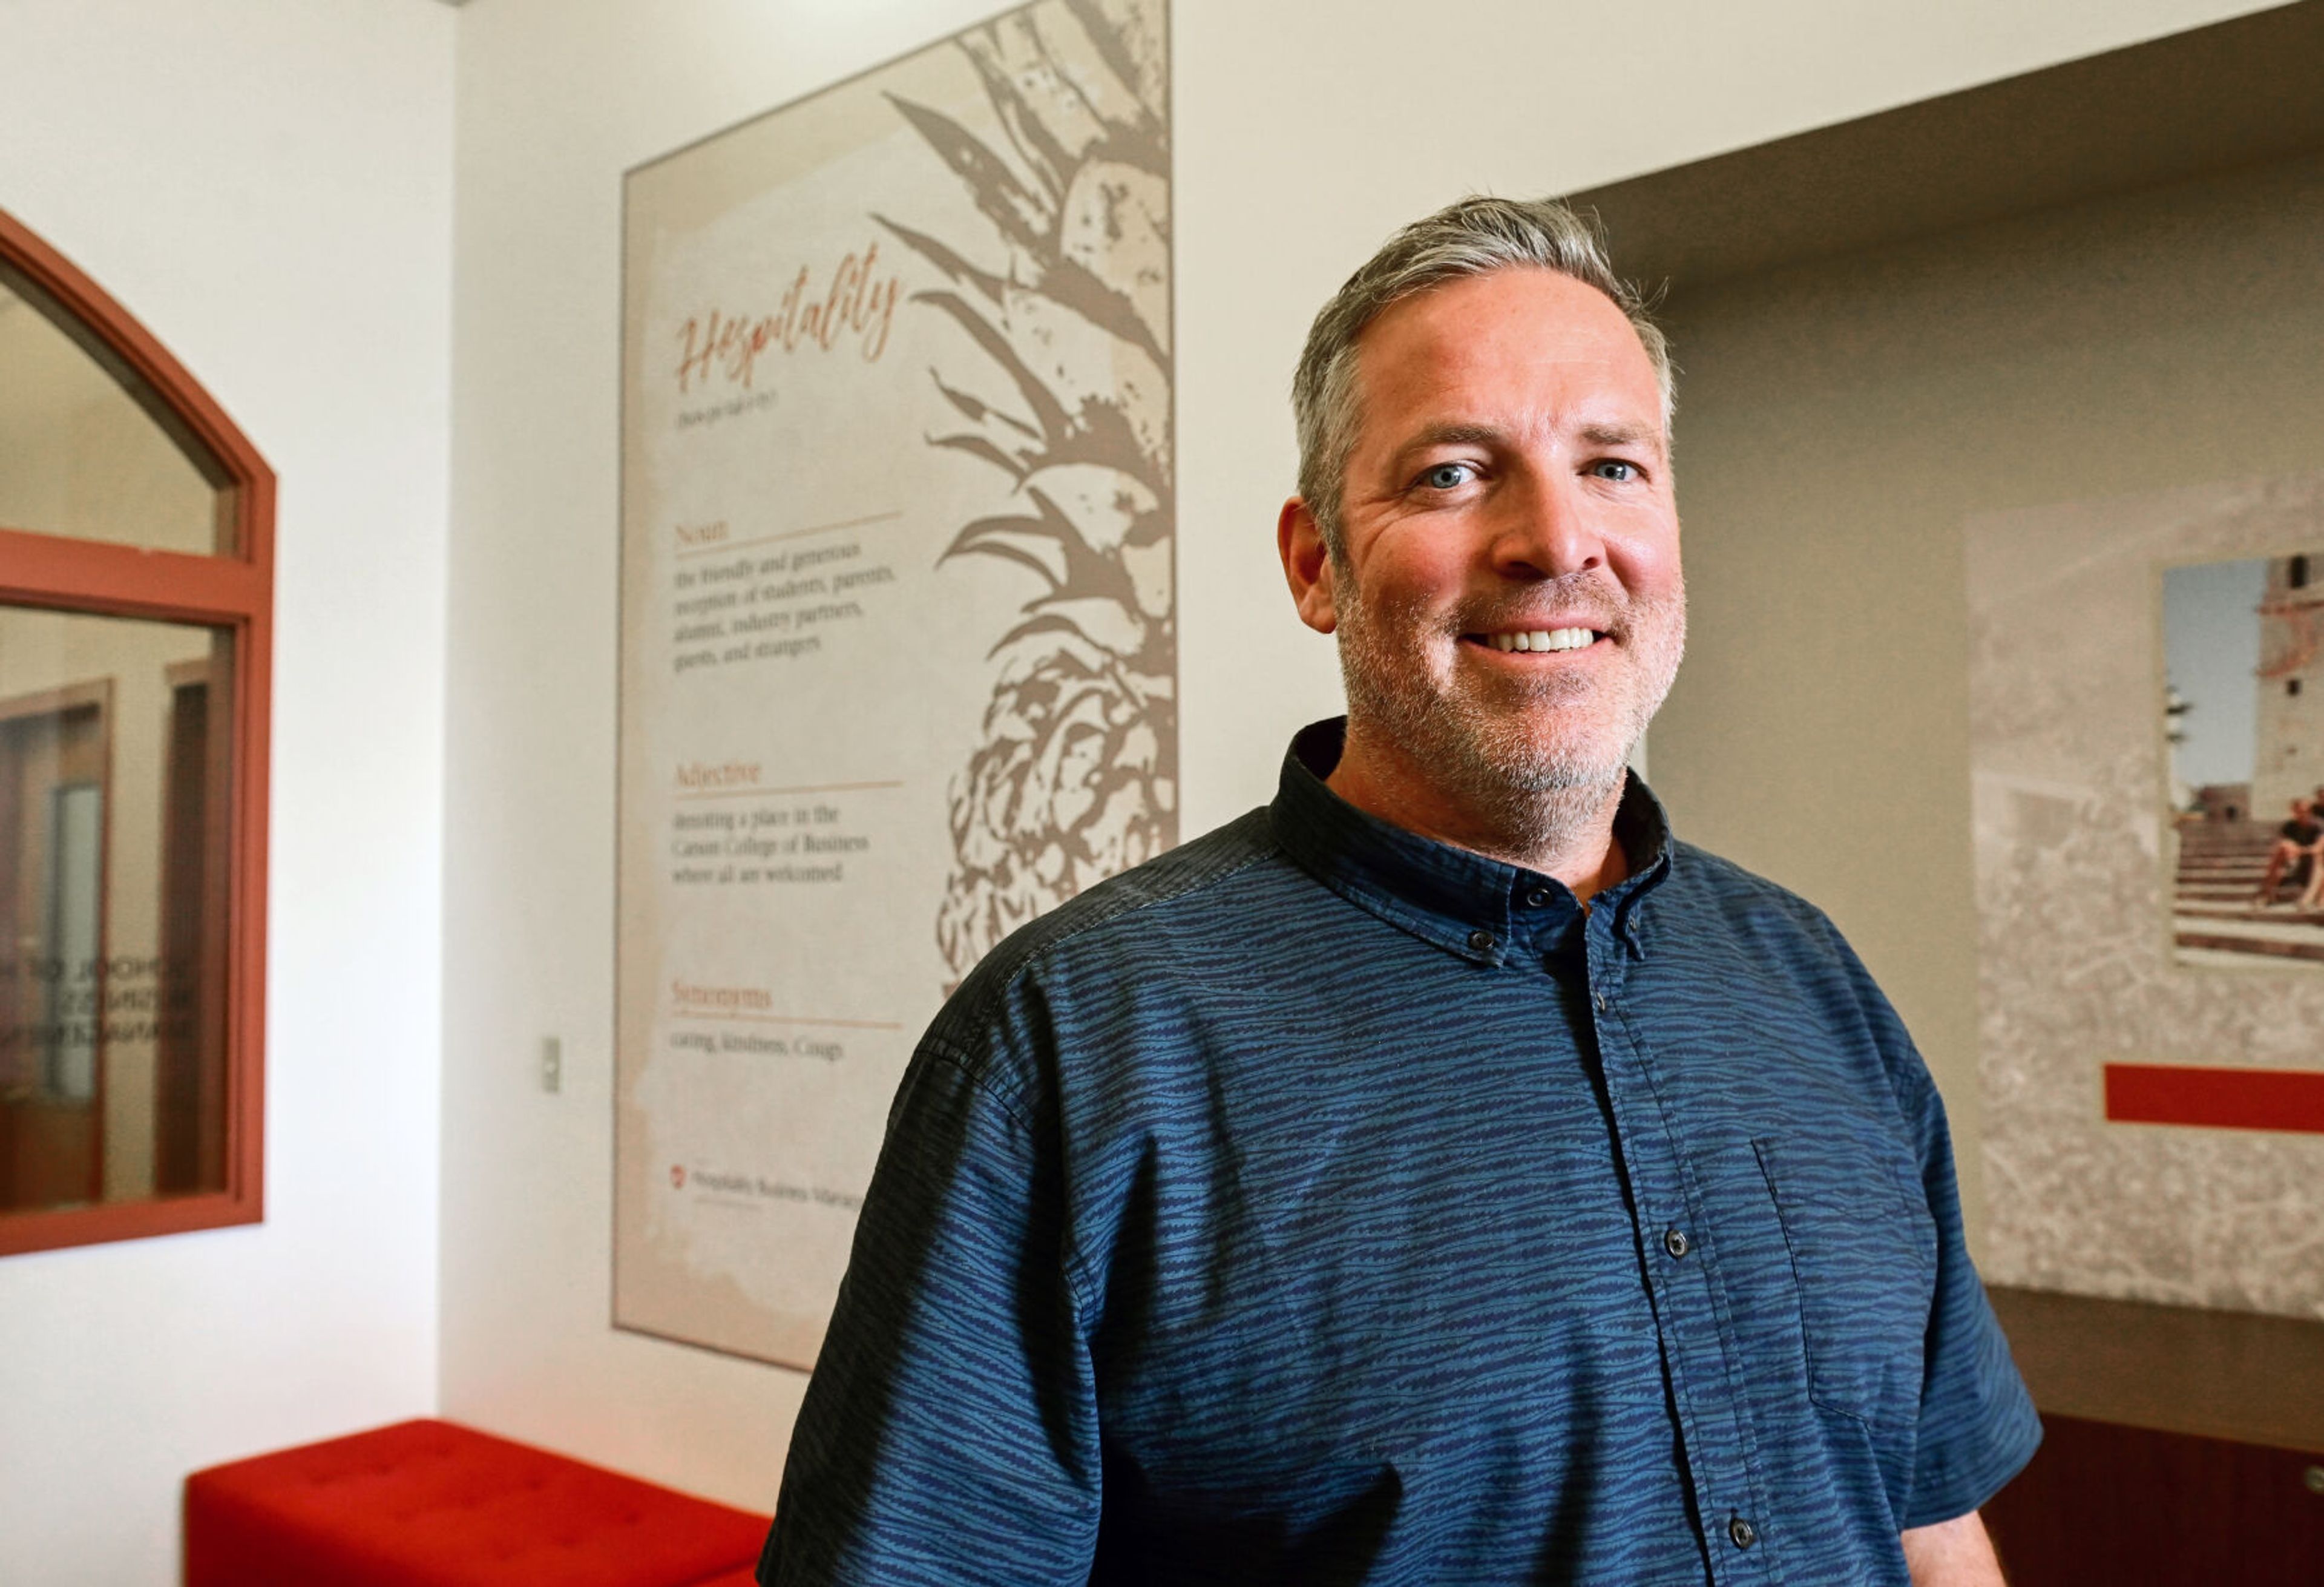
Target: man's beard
column 1483, row 744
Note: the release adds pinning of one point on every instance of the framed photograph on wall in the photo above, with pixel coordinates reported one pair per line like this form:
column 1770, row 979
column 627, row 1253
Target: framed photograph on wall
column 2243, row 706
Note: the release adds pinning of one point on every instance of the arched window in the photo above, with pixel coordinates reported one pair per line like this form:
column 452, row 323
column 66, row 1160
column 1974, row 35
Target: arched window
column 136, row 599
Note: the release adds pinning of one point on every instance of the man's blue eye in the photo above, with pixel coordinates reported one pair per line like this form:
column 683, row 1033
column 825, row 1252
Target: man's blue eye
column 1614, row 469
column 1446, row 477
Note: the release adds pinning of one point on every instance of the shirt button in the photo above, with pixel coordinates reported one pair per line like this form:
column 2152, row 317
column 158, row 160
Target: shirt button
column 1480, row 940
column 1741, row 1533
column 1674, row 1241
column 1535, row 897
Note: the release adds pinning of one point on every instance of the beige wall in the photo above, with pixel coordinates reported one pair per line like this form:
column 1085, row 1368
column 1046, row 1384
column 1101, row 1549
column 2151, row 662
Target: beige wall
column 1304, row 133
column 1838, row 422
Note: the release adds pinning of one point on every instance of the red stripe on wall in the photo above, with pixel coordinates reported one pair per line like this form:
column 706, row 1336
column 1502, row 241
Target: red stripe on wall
column 2216, row 1098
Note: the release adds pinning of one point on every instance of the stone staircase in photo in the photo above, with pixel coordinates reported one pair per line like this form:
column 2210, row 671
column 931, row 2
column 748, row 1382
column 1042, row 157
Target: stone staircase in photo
column 2220, row 866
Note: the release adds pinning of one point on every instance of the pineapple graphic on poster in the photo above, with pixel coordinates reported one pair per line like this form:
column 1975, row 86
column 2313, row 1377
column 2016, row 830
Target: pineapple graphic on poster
column 1075, row 778
column 898, row 629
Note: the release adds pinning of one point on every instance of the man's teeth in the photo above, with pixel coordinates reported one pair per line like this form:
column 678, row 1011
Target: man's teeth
column 1554, row 639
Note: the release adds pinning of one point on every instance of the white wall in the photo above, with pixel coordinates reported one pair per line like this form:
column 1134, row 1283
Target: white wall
column 266, row 184
column 1301, row 141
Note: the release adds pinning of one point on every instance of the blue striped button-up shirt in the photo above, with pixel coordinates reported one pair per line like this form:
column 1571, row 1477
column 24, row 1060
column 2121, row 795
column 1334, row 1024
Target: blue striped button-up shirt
column 1320, row 1204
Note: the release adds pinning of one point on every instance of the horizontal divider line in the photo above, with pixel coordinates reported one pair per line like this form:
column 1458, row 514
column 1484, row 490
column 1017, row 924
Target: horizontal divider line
column 788, row 534
column 740, row 793
column 784, row 1019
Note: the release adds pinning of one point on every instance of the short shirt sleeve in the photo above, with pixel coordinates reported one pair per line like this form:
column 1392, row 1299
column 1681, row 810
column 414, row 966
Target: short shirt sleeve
column 1978, row 1425
column 949, row 1433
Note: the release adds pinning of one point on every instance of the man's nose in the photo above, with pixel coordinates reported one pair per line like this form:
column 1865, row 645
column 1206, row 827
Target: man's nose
column 1546, row 530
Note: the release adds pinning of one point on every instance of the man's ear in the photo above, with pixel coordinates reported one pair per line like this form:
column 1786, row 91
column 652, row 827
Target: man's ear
column 1306, row 566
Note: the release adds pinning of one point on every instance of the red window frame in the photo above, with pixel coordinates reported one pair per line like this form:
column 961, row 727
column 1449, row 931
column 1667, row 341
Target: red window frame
column 231, row 590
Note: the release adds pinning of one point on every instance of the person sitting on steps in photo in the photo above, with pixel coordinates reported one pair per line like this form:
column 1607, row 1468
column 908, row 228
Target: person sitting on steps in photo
column 2293, row 858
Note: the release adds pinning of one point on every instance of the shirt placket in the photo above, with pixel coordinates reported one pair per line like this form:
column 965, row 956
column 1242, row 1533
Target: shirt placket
column 1679, row 1254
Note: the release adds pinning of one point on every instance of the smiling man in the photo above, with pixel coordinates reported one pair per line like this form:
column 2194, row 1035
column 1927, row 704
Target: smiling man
column 1443, row 1174
column 1499, row 550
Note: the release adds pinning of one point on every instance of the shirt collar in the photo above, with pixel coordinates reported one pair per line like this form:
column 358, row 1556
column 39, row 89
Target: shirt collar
column 1462, row 902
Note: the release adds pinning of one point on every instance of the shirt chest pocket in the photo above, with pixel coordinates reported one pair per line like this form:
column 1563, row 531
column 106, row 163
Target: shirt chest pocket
column 1862, row 1250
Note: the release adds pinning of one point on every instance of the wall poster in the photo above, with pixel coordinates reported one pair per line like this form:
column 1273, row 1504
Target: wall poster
column 2145, row 729
column 898, row 651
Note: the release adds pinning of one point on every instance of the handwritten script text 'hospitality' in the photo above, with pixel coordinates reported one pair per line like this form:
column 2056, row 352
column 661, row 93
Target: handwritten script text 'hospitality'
column 859, row 302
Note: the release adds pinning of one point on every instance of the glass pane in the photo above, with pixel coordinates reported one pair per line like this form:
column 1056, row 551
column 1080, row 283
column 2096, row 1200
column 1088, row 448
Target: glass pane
column 114, row 761
column 81, row 456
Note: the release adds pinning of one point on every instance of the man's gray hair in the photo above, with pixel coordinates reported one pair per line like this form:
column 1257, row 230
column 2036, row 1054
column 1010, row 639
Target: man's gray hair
column 1473, row 237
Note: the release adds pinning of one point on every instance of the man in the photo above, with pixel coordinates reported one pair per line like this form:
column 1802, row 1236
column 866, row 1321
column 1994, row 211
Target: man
column 1442, row 1174
column 2292, row 856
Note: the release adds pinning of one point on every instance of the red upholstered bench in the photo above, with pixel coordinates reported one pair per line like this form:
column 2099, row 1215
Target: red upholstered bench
column 431, row 1504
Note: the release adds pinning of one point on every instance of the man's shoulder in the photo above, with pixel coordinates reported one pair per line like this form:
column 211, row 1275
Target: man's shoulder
column 1711, row 886
column 1740, row 929
column 1735, row 922
column 1193, row 886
